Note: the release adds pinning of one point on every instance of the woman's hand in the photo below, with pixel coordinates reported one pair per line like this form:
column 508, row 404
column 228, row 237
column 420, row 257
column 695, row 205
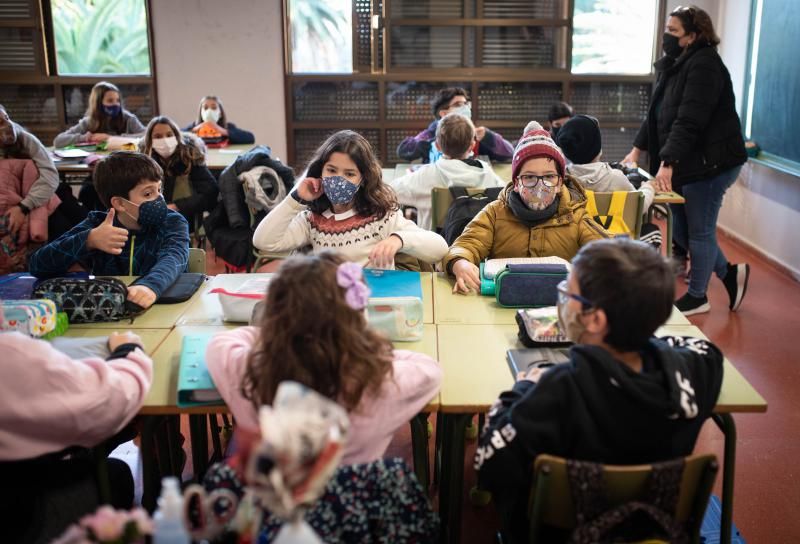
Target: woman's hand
column 309, row 189
column 468, row 277
column 663, row 181
column 632, row 157
column 382, row 255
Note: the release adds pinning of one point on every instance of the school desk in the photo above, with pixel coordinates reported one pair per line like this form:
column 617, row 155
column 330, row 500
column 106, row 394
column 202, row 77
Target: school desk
column 205, row 309
column 475, row 373
column 158, row 316
column 452, row 308
column 216, row 159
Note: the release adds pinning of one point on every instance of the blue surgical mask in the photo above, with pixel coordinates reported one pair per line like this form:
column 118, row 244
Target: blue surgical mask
column 339, row 190
column 112, row 111
column 152, row 213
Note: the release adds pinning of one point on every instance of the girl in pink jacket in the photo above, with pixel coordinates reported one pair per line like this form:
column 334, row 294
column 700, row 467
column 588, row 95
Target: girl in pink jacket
column 313, row 331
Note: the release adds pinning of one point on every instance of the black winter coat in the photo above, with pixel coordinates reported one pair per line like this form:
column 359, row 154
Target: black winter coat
column 692, row 121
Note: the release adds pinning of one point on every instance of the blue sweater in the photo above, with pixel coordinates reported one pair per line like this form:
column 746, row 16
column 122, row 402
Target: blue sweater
column 160, row 254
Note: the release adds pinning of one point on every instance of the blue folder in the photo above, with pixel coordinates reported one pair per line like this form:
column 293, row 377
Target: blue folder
column 195, row 387
column 393, row 283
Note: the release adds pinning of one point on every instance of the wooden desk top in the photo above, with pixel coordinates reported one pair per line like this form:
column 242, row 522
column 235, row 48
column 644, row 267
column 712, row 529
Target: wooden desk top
column 158, row 316
column 216, row 158
column 475, row 370
column 205, row 309
column 478, row 309
column 163, row 395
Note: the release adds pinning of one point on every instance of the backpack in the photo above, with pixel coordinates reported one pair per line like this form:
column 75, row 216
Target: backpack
column 464, row 208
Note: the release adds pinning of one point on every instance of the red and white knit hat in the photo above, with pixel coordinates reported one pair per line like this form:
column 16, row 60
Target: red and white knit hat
column 536, row 142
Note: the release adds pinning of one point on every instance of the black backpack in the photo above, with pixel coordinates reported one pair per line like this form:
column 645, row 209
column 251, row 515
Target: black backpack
column 464, row 207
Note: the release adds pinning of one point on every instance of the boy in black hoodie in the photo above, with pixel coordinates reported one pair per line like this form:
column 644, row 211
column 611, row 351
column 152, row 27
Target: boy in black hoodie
column 625, row 397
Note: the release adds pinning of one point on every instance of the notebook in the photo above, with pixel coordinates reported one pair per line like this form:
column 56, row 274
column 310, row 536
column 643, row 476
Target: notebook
column 492, row 267
column 194, row 382
column 522, row 360
column 393, row 283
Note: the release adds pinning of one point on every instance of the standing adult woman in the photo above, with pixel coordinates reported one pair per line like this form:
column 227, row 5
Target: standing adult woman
column 693, row 136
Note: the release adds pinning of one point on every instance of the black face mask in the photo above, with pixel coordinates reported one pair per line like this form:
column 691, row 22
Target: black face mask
column 671, row 46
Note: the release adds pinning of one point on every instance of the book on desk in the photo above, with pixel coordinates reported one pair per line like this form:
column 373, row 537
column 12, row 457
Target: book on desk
column 523, row 360
column 195, row 387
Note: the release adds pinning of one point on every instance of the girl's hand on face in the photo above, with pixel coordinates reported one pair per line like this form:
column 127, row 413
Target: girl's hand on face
column 382, row 255
column 310, row 189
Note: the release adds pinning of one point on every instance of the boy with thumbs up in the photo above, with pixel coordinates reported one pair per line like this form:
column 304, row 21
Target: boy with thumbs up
column 138, row 236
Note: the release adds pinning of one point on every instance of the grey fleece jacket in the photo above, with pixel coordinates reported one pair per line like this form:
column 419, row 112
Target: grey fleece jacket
column 46, row 184
column 78, row 132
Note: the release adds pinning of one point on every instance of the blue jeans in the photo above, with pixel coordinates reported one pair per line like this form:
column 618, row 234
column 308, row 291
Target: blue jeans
column 695, row 228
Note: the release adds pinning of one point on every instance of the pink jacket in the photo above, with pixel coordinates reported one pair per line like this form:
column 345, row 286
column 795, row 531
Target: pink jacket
column 49, row 401
column 16, row 179
column 414, row 383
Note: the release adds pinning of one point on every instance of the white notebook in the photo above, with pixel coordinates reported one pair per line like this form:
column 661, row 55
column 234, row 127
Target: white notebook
column 493, row 266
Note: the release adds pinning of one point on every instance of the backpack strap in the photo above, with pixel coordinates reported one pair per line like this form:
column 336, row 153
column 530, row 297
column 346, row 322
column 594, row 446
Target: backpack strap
column 613, row 220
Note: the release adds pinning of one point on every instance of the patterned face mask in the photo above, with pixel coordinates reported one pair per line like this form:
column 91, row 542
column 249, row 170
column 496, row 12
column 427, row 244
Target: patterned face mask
column 152, row 212
column 339, row 190
column 539, row 197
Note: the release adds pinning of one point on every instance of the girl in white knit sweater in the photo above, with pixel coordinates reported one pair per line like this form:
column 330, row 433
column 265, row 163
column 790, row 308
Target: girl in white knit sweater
column 343, row 204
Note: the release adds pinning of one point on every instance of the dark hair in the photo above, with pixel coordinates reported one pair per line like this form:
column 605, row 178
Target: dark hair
column 373, row 196
column 121, row 171
column 694, row 19
column 309, row 334
column 559, row 110
column 223, row 120
column 632, row 283
column 455, row 135
column 186, row 155
column 444, row 96
column 98, row 120
column 15, row 150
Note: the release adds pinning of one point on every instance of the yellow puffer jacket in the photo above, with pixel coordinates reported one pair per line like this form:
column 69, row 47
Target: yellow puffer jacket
column 495, row 233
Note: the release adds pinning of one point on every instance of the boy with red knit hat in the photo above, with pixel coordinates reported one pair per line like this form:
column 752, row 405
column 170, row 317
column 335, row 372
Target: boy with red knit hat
column 541, row 213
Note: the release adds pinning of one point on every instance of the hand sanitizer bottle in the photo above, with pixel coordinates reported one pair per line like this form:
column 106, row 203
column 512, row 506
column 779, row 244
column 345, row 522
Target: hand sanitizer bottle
column 168, row 521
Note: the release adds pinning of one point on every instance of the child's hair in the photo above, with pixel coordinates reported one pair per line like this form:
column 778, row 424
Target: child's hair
column 15, row 150
column 309, row 334
column 444, row 96
column 186, row 155
column 698, row 21
column 98, row 120
column 223, row 120
column 455, row 135
column 121, row 171
column 373, row 196
column 559, row 110
column 632, row 283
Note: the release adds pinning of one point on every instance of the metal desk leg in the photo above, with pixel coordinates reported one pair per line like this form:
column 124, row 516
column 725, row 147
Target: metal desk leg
column 149, row 468
column 100, row 458
column 198, row 429
column 668, row 241
column 728, row 427
column 451, row 488
column 419, row 449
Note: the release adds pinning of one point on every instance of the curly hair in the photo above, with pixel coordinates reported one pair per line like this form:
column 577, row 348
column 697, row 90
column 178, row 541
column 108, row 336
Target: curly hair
column 186, row 155
column 98, row 120
column 309, row 334
column 374, row 197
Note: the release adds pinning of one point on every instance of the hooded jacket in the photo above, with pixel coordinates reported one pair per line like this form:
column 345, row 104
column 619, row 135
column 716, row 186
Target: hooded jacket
column 414, row 189
column 496, row 233
column 160, row 254
column 597, row 409
column 692, row 121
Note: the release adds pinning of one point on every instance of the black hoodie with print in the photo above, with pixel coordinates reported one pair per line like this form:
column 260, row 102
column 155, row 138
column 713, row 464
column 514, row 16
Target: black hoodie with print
column 595, row 408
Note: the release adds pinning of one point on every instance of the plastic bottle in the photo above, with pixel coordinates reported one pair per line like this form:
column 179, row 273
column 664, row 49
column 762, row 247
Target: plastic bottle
column 168, row 521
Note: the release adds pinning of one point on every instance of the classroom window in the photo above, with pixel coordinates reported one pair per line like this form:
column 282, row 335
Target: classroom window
column 101, row 37
column 321, row 36
column 613, row 36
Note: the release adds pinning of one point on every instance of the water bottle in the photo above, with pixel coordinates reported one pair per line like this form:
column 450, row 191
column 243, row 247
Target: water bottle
column 168, row 521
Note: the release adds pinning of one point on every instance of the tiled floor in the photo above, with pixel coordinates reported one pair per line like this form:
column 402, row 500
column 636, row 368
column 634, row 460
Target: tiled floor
column 760, row 339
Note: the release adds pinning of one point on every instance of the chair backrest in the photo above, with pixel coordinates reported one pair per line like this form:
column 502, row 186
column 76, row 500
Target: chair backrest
column 632, row 209
column 440, row 203
column 551, row 501
column 197, row 260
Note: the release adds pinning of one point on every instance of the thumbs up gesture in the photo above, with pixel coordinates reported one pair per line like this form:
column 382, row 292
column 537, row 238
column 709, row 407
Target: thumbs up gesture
column 106, row 237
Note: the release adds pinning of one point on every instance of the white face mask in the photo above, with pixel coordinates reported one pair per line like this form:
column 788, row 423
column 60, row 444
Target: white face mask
column 465, row 110
column 211, row 115
column 165, row 146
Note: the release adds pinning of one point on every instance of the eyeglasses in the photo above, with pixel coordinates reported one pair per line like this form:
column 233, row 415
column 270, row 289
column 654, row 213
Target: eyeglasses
column 529, row 181
column 564, row 296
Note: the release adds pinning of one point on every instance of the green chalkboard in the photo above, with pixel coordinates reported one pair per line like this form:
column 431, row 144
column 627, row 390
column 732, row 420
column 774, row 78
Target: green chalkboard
column 775, row 122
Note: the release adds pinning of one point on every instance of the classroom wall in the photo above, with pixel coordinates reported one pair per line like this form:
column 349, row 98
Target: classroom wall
column 233, row 49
